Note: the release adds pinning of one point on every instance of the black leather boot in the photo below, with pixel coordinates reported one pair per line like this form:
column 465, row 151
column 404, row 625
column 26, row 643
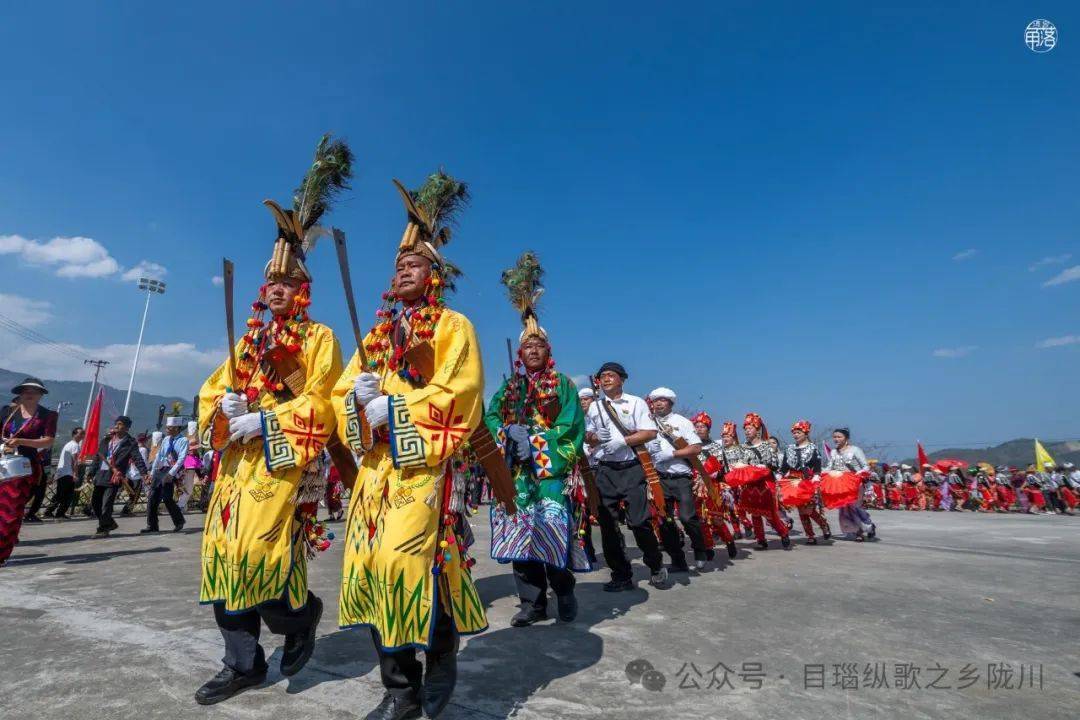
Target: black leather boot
column 227, row 683
column 439, row 682
column 395, row 707
column 298, row 647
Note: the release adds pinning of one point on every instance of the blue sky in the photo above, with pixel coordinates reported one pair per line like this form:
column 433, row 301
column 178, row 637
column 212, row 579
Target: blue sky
column 825, row 212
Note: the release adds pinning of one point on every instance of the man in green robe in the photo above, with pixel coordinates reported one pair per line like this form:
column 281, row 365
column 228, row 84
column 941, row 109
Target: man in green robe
column 536, row 417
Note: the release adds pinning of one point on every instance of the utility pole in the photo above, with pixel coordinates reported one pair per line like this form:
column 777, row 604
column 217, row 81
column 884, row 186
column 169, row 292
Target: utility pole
column 150, row 287
column 98, row 364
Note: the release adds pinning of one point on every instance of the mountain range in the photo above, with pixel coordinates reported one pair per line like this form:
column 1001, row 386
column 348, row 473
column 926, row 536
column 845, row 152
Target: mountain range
column 74, row 396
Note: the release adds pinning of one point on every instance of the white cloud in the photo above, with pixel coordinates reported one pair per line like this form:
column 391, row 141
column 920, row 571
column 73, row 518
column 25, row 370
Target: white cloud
column 955, row 352
column 146, row 269
column 74, row 257
column 1049, row 260
column 1058, row 341
column 166, row 369
column 25, row 311
column 965, row 254
column 1066, row 275
column 217, row 281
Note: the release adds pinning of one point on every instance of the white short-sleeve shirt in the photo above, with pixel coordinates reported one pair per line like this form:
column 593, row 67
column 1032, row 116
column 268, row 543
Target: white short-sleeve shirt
column 632, row 412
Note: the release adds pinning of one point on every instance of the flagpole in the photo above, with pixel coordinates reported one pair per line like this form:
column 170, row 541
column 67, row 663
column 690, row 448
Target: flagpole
column 98, row 364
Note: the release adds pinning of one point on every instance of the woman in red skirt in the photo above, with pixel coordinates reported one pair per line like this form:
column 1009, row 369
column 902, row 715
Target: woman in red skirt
column 801, row 473
column 756, row 483
column 25, row 428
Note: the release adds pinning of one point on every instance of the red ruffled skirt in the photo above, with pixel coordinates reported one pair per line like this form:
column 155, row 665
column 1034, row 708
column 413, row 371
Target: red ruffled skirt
column 1068, row 497
column 795, row 490
column 746, row 474
column 1035, row 497
column 758, row 497
column 840, row 489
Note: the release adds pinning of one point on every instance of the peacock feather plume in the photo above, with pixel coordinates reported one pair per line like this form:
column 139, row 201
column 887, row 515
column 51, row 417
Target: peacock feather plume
column 329, row 174
column 523, row 283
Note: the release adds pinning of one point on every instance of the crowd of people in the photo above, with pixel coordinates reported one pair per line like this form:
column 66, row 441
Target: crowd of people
column 403, row 431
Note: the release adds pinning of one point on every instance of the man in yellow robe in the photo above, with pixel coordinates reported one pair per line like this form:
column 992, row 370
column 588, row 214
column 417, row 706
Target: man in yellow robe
column 417, row 385
column 273, row 424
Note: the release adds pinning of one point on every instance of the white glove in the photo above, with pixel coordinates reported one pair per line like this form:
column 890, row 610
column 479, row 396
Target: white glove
column 245, row 427
column 663, row 455
column 366, row 387
column 614, row 445
column 603, row 433
column 377, row 411
column 234, row 405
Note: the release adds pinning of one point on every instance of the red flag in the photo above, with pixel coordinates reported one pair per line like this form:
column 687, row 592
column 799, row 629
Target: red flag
column 923, row 459
column 93, row 428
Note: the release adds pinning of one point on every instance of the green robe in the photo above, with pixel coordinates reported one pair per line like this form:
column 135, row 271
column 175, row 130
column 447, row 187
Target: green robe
column 545, row 527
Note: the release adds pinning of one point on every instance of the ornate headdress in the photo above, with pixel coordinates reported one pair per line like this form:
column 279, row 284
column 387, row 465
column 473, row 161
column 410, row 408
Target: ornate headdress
column 431, row 212
column 524, row 289
column 803, row 425
column 297, row 230
column 730, row 429
column 754, row 420
column 703, row 418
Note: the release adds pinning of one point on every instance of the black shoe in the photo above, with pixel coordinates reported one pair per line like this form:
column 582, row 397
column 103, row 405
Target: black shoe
column 873, row 531
column 618, row 585
column 811, row 540
column 528, row 614
column 762, row 544
column 49, row 513
column 112, row 526
column 786, row 542
column 227, row 683
column 679, row 567
column 393, row 707
column 148, row 531
column 439, row 681
column 826, row 534
column 710, row 554
column 567, row 607
column 299, row 646
column 32, row 519
column 179, row 527
column 125, row 511
column 732, row 550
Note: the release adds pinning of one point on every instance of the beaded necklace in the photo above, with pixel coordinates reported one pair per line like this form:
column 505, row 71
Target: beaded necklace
column 287, row 331
column 423, row 316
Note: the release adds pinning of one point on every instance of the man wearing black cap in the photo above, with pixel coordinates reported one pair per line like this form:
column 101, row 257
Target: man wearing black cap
column 620, row 476
column 109, row 471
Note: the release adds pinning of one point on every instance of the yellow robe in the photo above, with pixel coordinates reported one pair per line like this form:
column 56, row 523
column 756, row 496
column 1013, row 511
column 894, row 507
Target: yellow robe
column 393, row 531
column 251, row 549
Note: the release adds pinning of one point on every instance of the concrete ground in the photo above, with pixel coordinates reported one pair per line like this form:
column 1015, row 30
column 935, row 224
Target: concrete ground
column 971, row 604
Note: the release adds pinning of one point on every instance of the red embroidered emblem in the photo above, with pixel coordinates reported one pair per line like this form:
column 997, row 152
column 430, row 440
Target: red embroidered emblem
column 445, row 427
column 308, row 434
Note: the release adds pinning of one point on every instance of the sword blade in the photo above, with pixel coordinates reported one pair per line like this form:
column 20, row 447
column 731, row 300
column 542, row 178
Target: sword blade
column 350, row 300
column 227, row 280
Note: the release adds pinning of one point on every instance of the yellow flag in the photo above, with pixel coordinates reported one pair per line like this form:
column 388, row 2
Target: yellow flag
column 1042, row 457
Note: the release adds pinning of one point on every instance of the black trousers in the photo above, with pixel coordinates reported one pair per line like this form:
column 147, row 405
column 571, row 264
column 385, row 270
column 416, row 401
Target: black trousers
column 101, row 502
column 402, row 674
column 619, row 483
column 38, row 497
column 158, row 493
column 243, row 653
column 534, row 578
column 679, row 489
column 64, row 499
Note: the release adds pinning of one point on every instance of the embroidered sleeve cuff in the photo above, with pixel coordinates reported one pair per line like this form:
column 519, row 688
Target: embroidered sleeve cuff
column 279, row 453
column 406, row 443
column 352, row 424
